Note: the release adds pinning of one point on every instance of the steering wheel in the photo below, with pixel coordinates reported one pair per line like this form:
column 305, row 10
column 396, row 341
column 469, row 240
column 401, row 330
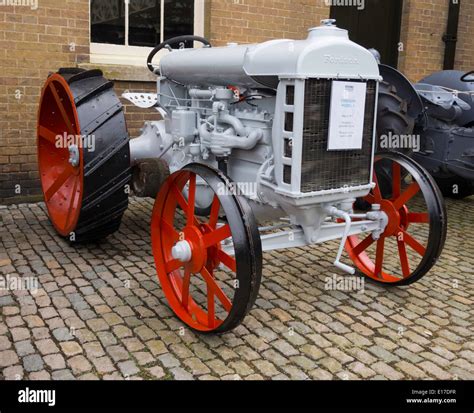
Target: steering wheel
column 169, row 42
column 465, row 76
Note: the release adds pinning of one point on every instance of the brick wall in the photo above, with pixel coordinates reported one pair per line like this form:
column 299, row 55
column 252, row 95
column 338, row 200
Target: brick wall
column 33, row 43
column 423, row 25
column 465, row 47
column 249, row 21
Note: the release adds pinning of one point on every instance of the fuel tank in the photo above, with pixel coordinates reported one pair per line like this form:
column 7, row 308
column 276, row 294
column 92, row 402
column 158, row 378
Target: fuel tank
column 327, row 52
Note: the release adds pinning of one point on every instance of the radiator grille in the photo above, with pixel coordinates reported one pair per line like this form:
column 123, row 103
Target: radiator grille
column 322, row 169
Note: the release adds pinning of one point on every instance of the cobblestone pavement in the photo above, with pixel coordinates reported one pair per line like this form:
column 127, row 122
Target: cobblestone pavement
column 99, row 312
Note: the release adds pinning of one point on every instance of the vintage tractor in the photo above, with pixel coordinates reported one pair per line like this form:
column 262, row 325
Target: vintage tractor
column 261, row 147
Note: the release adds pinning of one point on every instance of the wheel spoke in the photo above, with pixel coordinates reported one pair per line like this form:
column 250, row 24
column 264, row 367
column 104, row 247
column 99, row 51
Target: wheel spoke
column 58, row 183
column 214, row 216
column 412, row 242
column 363, row 245
column 173, row 265
column 181, row 200
column 211, row 308
column 396, row 180
column 179, row 197
column 47, row 134
column 60, row 106
column 379, row 257
column 410, row 192
column 191, row 199
column 419, row 217
column 217, row 236
column 402, row 251
column 185, row 288
column 376, row 190
column 214, row 288
column 73, row 200
column 227, row 260
column 170, row 230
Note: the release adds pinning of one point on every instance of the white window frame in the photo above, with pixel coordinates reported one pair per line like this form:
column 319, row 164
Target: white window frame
column 103, row 53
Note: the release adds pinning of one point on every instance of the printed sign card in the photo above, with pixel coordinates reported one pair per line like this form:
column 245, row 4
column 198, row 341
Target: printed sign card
column 346, row 121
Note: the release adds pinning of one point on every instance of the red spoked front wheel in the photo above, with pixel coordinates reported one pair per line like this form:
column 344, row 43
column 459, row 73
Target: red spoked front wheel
column 209, row 267
column 417, row 223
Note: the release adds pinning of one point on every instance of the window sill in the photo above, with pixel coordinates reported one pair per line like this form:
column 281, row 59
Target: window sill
column 122, row 73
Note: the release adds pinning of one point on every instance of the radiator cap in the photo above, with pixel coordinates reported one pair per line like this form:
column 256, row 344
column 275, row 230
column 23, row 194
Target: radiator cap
column 328, row 28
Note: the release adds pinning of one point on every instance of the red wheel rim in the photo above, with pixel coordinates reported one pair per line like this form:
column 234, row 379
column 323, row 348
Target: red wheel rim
column 205, row 238
column 401, row 218
column 58, row 127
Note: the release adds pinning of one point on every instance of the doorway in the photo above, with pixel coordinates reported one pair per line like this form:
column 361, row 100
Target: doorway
column 377, row 26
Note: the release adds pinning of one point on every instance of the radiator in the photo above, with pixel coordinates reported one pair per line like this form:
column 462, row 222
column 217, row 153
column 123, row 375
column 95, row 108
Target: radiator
column 325, row 170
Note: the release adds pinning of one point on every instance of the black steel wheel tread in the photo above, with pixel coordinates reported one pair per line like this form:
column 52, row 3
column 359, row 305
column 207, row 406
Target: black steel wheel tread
column 104, row 157
column 253, row 235
column 104, row 217
column 86, row 74
column 102, row 119
column 243, row 300
column 105, row 191
column 392, row 114
column 438, row 231
column 94, row 92
column 68, row 72
column 106, row 171
column 255, row 248
column 99, row 227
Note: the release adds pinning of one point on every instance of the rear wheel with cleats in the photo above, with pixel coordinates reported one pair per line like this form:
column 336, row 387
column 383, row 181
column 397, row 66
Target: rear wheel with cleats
column 83, row 154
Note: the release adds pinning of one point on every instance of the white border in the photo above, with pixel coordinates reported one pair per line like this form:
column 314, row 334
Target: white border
column 102, row 53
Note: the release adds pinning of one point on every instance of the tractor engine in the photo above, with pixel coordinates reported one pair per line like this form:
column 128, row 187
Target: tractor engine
column 290, row 122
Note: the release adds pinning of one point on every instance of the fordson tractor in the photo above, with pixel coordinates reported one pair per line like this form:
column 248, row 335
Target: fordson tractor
column 260, row 147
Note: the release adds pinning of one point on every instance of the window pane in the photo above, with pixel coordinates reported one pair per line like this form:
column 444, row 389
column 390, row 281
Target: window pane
column 179, row 18
column 108, row 21
column 145, row 23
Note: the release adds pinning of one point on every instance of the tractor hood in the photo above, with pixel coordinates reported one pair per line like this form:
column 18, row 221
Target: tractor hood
column 326, row 53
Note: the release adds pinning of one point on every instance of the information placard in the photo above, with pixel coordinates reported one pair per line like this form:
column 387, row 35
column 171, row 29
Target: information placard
column 346, row 120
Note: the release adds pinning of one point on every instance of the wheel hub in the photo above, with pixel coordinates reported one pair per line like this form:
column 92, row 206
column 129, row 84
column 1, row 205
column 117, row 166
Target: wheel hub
column 191, row 248
column 182, row 251
column 393, row 217
column 74, row 156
